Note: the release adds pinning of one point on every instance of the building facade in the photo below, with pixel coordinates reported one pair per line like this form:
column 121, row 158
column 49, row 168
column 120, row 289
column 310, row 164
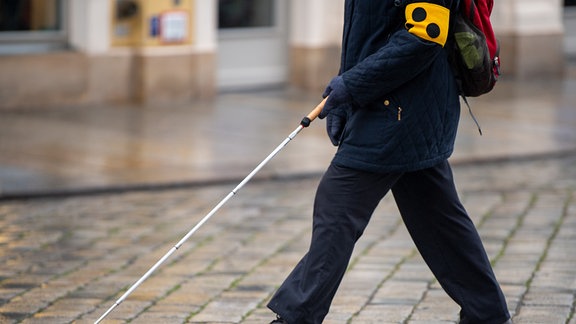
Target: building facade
column 60, row 52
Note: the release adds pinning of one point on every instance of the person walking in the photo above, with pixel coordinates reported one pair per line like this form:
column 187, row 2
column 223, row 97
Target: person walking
column 393, row 112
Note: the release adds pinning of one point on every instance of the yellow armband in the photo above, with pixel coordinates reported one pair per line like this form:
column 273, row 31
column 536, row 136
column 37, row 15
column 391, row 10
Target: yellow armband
column 428, row 21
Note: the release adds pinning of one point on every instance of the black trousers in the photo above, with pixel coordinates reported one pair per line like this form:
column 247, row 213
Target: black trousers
column 436, row 220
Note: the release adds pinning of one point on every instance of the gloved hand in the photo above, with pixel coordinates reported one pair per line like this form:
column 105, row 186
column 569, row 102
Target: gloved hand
column 335, row 127
column 338, row 97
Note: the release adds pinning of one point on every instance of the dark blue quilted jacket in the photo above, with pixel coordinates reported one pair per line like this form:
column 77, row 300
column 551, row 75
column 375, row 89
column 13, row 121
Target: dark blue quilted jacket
column 406, row 106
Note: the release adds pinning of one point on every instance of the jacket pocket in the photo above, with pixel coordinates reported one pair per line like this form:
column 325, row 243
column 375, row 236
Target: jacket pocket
column 392, row 109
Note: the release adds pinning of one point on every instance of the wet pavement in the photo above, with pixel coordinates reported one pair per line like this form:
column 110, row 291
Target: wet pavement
column 92, row 148
column 154, row 172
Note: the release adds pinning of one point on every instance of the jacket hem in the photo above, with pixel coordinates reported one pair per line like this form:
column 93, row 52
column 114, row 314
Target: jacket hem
column 384, row 167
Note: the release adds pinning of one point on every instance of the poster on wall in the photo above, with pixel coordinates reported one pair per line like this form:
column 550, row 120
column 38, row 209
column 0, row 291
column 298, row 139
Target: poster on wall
column 174, row 27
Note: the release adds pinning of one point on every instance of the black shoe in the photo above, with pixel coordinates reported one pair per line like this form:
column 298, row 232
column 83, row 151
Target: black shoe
column 279, row 320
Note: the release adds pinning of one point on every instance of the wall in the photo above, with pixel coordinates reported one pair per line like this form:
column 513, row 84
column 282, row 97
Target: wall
column 531, row 36
column 148, row 70
column 316, row 32
column 94, row 71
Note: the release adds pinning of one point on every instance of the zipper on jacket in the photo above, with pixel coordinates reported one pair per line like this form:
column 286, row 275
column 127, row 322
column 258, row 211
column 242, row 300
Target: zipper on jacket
column 399, row 113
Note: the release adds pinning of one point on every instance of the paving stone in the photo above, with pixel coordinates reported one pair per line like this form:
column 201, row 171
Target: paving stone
column 542, row 314
column 400, row 292
column 383, row 313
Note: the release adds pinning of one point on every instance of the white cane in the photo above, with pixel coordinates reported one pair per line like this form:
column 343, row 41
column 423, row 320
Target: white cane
column 303, row 124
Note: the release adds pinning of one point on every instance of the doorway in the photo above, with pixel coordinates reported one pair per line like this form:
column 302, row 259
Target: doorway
column 252, row 43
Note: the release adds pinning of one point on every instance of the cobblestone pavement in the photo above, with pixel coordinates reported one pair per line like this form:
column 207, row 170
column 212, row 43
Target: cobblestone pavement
column 66, row 260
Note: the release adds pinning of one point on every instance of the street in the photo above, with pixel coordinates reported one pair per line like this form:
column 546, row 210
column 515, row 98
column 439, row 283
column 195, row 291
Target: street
column 68, row 259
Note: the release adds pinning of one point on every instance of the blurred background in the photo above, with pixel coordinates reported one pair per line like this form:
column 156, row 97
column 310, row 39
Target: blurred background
column 125, row 92
column 100, row 51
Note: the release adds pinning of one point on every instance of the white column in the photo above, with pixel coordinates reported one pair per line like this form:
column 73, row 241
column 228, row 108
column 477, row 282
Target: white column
column 206, row 29
column 315, row 41
column 528, row 17
column 89, row 25
column 531, row 35
column 317, row 23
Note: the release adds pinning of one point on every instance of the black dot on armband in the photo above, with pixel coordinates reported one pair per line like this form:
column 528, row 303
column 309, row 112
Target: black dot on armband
column 433, row 30
column 419, row 14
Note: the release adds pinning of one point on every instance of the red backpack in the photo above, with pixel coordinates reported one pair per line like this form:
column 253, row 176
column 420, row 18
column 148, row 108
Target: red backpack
column 476, row 50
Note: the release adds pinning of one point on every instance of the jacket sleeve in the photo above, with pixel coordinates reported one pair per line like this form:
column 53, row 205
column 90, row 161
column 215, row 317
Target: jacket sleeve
column 404, row 57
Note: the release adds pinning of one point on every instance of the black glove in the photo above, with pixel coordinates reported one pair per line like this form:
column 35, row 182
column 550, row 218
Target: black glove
column 338, row 97
column 335, row 127
column 335, row 109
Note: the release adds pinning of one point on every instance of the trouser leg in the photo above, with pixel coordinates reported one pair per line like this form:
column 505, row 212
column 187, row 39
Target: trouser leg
column 344, row 203
column 449, row 243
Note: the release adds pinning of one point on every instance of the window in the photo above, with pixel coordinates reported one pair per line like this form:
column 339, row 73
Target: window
column 245, row 13
column 31, row 25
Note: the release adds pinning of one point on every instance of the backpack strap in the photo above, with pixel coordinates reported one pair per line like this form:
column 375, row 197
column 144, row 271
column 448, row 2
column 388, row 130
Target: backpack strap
column 455, row 12
column 472, row 9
